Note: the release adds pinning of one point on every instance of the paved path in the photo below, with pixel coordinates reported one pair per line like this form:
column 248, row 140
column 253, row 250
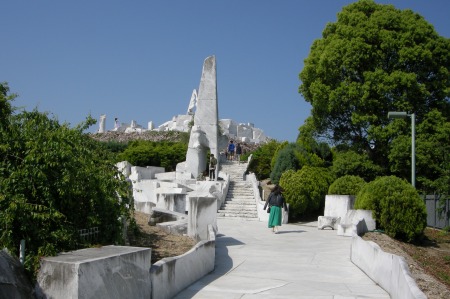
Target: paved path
column 299, row 262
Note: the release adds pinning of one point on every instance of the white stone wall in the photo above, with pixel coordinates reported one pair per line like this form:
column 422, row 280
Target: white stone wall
column 102, row 273
column 388, row 270
column 170, row 276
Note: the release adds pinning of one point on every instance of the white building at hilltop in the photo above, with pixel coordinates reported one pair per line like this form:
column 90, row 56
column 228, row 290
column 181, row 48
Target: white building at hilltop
column 243, row 132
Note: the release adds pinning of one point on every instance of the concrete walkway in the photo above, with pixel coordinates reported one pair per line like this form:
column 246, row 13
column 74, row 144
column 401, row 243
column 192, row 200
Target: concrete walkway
column 298, row 262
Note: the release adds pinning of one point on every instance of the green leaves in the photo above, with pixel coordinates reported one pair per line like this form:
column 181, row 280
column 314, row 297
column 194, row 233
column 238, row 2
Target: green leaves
column 150, row 153
column 346, row 185
column 305, row 189
column 396, row 206
column 54, row 181
column 261, row 159
column 374, row 59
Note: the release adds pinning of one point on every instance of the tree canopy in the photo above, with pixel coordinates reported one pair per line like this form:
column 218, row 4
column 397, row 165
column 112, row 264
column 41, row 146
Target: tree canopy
column 374, row 59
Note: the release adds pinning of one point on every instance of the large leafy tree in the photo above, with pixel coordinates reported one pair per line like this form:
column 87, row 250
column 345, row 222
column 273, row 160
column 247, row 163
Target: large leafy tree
column 55, row 181
column 374, row 59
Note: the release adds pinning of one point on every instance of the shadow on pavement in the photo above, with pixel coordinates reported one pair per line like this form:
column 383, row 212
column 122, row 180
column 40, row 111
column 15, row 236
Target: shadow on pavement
column 223, row 264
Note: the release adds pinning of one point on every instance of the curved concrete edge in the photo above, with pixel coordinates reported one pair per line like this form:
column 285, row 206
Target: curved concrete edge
column 171, row 275
column 388, row 270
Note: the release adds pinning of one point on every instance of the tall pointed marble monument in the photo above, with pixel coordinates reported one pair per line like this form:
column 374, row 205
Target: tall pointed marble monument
column 205, row 132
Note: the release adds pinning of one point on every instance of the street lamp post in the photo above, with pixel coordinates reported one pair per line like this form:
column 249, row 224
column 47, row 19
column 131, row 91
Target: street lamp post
column 395, row 114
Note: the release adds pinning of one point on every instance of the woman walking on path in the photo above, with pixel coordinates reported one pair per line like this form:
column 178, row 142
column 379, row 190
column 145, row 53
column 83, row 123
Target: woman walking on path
column 275, row 202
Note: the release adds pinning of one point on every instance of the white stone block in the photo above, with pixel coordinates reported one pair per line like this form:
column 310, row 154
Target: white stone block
column 166, row 176
column 356, row 222
column 202, row 212
column 105, row 272
column 338, row 205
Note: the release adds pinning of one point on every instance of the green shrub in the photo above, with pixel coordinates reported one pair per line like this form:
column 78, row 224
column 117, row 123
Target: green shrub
column 151, row 153
column 396, row 206
column 305, row 189
column 281, row 146
column 115, row 146
column 347, row 185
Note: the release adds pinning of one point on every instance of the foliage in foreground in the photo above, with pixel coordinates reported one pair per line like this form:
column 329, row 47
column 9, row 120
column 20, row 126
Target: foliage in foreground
column 396, row 205
column 305, row 189
column 54, row 181
column 346, row 185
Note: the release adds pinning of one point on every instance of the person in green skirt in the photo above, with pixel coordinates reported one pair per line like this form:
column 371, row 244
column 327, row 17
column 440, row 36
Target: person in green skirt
column 276, row 202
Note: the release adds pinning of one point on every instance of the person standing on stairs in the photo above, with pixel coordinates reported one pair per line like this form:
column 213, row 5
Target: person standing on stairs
column 276, row 202
column 231, row 149
column 238, row 153
column 212, row 167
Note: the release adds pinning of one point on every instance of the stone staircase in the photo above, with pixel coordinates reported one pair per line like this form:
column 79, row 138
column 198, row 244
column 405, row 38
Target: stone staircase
column 240, row 200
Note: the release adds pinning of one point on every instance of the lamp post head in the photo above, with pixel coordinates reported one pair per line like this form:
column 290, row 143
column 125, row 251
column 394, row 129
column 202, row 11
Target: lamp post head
column 395, row 114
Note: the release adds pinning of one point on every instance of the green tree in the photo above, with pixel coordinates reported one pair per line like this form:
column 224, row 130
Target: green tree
column 374, row 59
column 5, row 104
column 307, row 139
column 261, row 159
column 352, row 163
column 281, row 146
column 54, row 181
column 432, row 154
column 285, row 159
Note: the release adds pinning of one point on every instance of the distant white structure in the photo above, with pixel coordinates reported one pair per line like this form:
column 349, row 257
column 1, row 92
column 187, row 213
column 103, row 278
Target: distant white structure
column 240, row 132
column 101, row 128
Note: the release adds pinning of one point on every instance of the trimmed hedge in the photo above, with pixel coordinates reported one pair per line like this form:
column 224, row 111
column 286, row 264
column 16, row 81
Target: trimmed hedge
column 305, row 189
column 347, row 185
column 396, row 206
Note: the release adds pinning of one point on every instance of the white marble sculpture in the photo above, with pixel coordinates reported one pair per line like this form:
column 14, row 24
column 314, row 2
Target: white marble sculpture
column 192, row 103
column 205, row 132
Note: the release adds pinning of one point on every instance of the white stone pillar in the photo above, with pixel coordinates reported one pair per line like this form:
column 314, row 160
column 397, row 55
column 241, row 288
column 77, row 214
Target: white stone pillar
column 101, row 128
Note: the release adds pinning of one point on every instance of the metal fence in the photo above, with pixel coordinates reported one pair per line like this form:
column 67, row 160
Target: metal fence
column 89, row 235
column 437, row 216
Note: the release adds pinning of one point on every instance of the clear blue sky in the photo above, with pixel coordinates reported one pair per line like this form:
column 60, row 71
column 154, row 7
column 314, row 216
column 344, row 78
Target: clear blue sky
column 140, row 60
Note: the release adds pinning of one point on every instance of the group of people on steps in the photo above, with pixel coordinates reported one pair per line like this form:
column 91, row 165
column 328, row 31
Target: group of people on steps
column 232, row 152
